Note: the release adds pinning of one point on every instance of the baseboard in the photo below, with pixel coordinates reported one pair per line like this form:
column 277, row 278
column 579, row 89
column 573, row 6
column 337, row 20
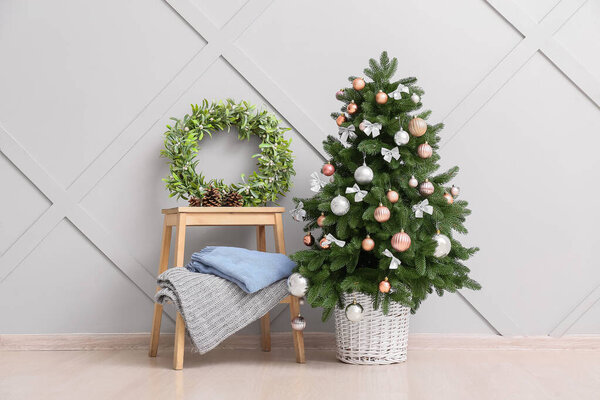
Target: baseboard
column 313, row 341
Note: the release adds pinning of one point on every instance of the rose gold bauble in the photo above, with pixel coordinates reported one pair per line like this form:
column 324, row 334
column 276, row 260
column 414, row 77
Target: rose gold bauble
column 417, row 127
column 426, row 188
column 401, row 241
column 368, row 244
column 308, row 239
column 392, row 196
column 381, row 97
column 449, row 198
column 424, row 150
column 413, row 182
column 340, row 120
column 352, row 108
column 328, row 169
column 321, row 219
column 323, row 246
column 384, row 286
column 382, row 213
column 358, row 84
column 454, row 191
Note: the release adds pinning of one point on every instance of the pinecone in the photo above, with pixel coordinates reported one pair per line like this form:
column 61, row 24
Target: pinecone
column 233, row 199
column 195, row 202
column 212, row 198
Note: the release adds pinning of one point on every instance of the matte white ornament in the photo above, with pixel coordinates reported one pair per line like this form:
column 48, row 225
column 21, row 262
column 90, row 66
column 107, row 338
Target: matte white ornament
column 340, row 205
column 443, row 245
column 413, row 182
column 354, row 312
column 297, row 284
column 401, row 137
column 415, row 98
column 363, row 174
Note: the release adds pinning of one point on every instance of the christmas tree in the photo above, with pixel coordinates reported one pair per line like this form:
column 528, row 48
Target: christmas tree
column 387, row 219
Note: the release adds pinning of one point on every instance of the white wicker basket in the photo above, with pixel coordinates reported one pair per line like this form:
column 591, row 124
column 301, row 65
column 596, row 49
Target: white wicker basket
column 376, row 338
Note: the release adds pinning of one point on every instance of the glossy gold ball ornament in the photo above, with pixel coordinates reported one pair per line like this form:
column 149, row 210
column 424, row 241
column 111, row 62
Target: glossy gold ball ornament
column 340, row 120
column 384, row 286
column 368, row 244
column 358, row 84
column 308, row 239
column 328, row 169
column 392, row 196
column 413, row 182
column 352, row 108
column 417, row 127
column 454, row 191
column 401, row 241
column 324, row 245
column 382, row 213
column 381, row 97
column 426, row 188
column 321, row 219
column 424, row 150
column 449, row 198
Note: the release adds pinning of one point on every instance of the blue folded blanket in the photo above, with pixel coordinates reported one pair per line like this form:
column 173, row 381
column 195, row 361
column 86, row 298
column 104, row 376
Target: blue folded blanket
column 251, row 270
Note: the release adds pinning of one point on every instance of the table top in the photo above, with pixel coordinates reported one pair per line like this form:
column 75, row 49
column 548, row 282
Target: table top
column 223, row 210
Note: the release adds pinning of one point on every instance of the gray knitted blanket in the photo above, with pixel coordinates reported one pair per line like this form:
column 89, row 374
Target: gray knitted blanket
column 213, row 308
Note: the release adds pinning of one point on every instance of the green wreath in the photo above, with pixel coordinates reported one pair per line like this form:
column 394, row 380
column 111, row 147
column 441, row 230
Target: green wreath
column 275, row 162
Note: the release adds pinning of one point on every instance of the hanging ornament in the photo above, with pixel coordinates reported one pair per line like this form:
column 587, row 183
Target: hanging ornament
column 308, row 239
column 339, row 94
column 397, row 94
column 454, row 191
column 415, row 98
column 382, row 213
column 359, row 195
column 321, row 219
column 297, row 284
column 422, row 207
column 363, row 174
column 384, row 286
column 329, row 239
column 401, row 137
column 358, row 84
column 413, row 182
column 443, row 245
column 417, row 127
column 424, row 150
column 401, row 241
column 389, row 154
column 392, row 196
column 345, row 133
column 426, row 188
column 394, row 262
column 381, row 97
column 316, row 182
column 299, row 323
column 298, row 213
column 368, row 244
column 370, row 128
column 324, row 244
column 339, row 205
column 340, row 119
column 328, row 169
column 354, row 311
column 449, row 198
column 352, row 108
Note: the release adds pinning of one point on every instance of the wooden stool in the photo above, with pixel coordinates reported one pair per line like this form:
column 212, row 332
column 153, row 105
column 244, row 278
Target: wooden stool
column 182, row 217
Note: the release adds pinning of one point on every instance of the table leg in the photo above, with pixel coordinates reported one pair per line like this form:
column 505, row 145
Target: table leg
column 158, row 308
column 265, row 320
column 179, row 322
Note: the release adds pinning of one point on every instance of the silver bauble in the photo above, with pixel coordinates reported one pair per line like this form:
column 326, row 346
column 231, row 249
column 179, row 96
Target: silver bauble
column 413, row 182
column 415, row 98
column 297, row 284
column 401, row 137
column 340, row 205
column 354, row 312
column 454, row 191
column 443, row 245
column 363, row 174
column 299, row 323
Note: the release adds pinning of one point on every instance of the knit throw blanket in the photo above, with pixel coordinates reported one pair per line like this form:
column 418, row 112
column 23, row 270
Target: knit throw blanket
column 214, row 309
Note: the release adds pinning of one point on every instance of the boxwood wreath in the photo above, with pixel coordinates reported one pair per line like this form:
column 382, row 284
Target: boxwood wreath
column 275, row 162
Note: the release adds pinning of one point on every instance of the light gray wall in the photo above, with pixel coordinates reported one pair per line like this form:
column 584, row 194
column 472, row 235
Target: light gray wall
column 86, row 89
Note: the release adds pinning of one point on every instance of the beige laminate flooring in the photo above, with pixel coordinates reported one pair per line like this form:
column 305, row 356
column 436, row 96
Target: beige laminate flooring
column 251, row 374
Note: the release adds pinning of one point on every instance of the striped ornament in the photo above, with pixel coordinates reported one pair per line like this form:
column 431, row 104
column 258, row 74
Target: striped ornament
column 401, row 241
column 426, row 188
column 417, row 127
column 382, row 213
column 424, row 150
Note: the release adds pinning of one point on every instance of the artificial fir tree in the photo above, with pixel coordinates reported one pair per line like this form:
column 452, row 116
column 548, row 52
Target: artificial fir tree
column 387, row 219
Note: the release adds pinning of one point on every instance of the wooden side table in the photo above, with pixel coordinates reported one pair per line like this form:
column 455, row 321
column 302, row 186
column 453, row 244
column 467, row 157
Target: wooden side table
column 181, row 218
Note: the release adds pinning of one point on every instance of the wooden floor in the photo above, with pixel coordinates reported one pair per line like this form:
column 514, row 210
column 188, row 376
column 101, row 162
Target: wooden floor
column 250, row 374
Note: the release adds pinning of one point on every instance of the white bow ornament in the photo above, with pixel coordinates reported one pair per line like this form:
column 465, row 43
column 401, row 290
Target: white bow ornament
column 298, row 213
column 329, row 238
column 389, row 154
column 422, row 207
column 360, row 194
column 397, row 94
column 371, row 128
column 346, row 132
column 394, row 262
column 316, row 183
